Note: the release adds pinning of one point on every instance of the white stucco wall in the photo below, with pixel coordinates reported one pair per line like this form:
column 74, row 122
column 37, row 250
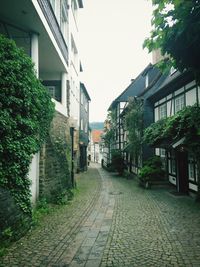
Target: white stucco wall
column 34, row 178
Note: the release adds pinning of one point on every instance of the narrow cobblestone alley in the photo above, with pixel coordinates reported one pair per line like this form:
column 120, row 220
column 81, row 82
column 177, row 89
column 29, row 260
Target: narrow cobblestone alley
column 113, row 222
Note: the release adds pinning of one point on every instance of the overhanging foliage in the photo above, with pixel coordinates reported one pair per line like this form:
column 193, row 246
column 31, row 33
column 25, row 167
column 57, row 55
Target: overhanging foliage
column 185, row 123
column 176, row 32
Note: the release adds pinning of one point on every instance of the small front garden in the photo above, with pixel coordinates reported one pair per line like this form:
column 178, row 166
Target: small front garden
column 151, row 172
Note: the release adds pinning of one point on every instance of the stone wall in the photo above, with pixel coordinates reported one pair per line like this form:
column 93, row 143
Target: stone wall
column 55, row 160
column 55, row 180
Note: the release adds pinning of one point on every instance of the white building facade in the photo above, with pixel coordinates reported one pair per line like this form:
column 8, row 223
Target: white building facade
column 48, row 32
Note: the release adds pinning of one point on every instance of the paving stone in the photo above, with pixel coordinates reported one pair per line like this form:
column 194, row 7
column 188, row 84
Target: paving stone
column 93, row 263
column 113, row 223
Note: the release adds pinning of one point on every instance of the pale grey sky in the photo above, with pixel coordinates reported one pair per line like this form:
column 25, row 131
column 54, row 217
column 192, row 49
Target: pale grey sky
column 111, row 37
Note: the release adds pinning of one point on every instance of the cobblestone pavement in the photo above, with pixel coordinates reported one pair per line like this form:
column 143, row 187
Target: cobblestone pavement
column 113, row 222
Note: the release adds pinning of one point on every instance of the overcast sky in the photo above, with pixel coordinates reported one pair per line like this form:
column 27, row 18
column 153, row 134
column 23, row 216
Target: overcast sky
column 111, row 37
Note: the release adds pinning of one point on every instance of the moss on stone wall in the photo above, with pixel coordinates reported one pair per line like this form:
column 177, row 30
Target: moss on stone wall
column 55, row 161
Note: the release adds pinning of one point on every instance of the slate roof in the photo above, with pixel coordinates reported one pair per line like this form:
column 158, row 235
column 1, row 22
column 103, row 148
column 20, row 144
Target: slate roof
column 169, row 83
column 85, row 91
column 138, row 87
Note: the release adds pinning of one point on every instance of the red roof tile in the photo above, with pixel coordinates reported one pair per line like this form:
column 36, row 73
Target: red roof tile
column 96, row 135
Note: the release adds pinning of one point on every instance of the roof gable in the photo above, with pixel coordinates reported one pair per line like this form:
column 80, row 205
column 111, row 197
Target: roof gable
column 138, row 86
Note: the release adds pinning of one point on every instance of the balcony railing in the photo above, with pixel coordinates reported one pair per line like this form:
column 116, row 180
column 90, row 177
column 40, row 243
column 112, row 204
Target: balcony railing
column 54, row 26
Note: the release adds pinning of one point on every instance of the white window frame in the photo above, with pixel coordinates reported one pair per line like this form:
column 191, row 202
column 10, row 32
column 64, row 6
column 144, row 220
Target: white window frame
column 179, row 103
column 162, row 111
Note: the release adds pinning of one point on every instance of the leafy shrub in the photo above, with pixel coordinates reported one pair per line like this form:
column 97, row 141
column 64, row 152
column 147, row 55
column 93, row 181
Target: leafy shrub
column 185, row 123
column 26, row 111
column 117, row 161
column 152, row 170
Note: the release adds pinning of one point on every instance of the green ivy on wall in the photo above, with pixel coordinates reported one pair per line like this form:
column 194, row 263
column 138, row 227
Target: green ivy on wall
column 26, row 111
column 185, row 123
column 134, row 125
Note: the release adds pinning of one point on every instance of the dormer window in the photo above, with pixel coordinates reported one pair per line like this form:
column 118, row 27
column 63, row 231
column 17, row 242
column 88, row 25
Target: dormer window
column 172, row 70
column 146, row 80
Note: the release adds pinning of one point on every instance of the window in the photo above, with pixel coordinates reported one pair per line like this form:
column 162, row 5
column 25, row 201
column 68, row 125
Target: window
column 192, row 169
column 86, row 106
column 172, row 70
column 64, row 19
column 74, row 8
column 81, row 124
column 179, row 103
column 162, row 152
column 52, row 91
column 86, row 128
column 74, row 53
column 191, row 97
column 82, row 98
column 170, row 108
column 162, row 111
column 171, row 163
column 147, row 80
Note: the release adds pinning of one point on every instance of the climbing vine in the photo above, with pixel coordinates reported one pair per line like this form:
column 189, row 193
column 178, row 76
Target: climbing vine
column 26, row 111
column 60, row 141
column 109, row 130
column 184, row 124
column 134, row 125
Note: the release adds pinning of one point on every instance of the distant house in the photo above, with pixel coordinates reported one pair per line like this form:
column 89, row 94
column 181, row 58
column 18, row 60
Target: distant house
column 106, row 144
column 84, row 127
column 96, row 150
column 139, row 89
column 161, row 95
